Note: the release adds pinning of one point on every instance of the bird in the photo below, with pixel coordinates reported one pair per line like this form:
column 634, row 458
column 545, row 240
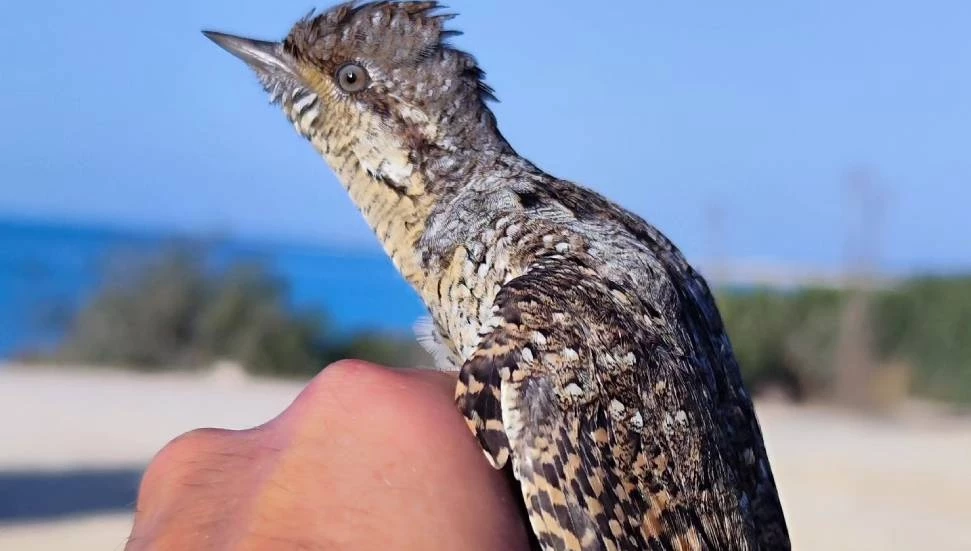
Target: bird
column 592, row 362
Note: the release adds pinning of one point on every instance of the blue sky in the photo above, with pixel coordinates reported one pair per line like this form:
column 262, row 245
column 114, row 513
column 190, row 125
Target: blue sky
column 121, row 112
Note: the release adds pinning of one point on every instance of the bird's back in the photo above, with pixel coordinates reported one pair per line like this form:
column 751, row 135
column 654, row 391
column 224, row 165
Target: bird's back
column 717, row 475
column 659, row 452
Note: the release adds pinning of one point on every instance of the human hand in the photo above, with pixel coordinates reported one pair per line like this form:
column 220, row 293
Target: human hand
column 365, row 458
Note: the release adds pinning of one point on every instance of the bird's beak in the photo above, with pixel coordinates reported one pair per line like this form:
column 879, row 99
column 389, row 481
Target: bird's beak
column 264, row 57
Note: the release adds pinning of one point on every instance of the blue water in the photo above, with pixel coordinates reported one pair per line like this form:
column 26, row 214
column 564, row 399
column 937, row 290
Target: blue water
column 48, row 270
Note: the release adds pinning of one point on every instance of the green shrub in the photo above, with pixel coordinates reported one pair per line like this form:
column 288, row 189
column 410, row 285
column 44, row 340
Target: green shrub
column 175, row 310
column 927, row 323
column 791, row 337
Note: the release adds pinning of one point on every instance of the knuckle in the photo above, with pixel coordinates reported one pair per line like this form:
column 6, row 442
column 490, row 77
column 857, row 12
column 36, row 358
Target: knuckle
column 193, row 443
column 346, row 379
column 347, row 391
column 169, row 464
column 346, row 372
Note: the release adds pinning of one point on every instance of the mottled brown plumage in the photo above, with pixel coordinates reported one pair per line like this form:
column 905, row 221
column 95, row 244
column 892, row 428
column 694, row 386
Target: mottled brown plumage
column 591, row 356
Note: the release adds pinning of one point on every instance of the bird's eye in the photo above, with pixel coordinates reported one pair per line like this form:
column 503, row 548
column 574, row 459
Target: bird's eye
column 352, row 78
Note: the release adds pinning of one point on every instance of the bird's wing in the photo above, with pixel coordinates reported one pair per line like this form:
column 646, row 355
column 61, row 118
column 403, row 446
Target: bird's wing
column 617, row 423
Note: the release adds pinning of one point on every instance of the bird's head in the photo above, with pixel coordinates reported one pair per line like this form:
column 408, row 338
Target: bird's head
column 398, row 113
column 379, row 92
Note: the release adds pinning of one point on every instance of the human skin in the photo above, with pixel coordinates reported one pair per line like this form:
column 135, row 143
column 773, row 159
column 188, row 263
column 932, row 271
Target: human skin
column 365, row 458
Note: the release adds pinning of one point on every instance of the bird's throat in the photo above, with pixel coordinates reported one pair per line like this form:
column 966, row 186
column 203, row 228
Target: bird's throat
column 390, row 195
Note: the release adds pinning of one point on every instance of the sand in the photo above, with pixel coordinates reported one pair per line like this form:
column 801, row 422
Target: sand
column 74, row 441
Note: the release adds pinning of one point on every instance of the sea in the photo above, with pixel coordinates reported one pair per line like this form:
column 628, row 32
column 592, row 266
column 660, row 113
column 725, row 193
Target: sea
column 50, row 269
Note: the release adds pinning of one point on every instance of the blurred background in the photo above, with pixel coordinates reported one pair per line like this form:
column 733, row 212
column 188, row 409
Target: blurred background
column 173, row 255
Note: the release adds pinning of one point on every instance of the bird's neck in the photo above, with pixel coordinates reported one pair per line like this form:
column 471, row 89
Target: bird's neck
column 397, row 189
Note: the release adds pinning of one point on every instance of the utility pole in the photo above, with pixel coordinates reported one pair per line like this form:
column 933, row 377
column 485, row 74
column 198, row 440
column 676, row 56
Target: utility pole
column 855, row 363
column 715, row 232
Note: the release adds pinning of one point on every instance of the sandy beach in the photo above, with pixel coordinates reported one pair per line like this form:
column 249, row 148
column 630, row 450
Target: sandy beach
column 74, row 443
